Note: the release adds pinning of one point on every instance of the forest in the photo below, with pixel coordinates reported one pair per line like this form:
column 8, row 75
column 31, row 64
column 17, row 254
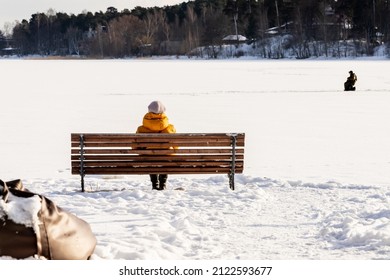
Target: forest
column 200, row 28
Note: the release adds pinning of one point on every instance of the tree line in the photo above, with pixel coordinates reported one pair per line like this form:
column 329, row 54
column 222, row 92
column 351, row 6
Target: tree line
column 181, row 29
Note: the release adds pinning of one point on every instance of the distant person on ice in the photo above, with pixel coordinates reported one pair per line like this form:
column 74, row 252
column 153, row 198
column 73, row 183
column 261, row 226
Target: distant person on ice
column 155, row 121
column 350, row 83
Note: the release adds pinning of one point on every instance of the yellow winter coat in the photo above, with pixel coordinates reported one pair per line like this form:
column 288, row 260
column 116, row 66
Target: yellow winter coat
column 156, row 123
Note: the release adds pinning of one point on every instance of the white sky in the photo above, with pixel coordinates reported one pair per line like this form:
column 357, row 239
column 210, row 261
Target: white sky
column 12, row 10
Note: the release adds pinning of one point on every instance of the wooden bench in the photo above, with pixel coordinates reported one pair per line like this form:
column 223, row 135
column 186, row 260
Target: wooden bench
column 160, row 153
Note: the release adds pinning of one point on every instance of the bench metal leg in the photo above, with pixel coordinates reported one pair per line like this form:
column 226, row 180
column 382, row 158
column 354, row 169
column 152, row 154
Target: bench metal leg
column 82, row 183
column 82, row 161
column 233, row 167
column 231, row 181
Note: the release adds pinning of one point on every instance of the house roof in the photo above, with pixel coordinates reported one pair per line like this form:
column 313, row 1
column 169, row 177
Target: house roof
column 235, row 38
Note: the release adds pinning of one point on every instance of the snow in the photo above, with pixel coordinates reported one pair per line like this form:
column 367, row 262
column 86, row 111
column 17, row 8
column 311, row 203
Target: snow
column 316, row 179
column 22, row 210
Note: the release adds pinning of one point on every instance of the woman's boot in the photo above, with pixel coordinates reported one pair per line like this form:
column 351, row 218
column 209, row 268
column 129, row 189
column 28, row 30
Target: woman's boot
column 162, row 181
column 154, row 179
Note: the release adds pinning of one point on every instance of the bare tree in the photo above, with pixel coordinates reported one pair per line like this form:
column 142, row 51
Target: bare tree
column 8, row 27
column 163, row 23
column 192, row 31
column 124, row 35
column 73, row 37
column 150, row 27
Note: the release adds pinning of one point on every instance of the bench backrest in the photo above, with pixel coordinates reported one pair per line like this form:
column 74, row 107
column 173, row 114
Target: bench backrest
column 180, row 153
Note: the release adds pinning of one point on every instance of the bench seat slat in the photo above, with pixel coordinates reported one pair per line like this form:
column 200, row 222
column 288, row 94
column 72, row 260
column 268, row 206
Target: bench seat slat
column 161, row 142
column 92, row 137
column 156, row 152
column 136, row 138
column 176, row 157
column 156, row 170
column 157, row 144
column 156, row 163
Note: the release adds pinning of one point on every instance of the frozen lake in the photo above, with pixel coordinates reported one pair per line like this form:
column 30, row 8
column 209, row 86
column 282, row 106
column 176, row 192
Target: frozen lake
column 299, row 123
column 317, row 159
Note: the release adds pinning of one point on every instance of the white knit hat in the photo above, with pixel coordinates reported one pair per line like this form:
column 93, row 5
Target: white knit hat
column 156, row 107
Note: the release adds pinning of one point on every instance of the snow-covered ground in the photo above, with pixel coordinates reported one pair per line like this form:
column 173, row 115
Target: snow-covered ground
column 317, row 163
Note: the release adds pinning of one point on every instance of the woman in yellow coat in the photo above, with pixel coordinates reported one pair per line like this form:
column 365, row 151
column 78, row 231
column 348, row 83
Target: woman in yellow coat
column 156, row 121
